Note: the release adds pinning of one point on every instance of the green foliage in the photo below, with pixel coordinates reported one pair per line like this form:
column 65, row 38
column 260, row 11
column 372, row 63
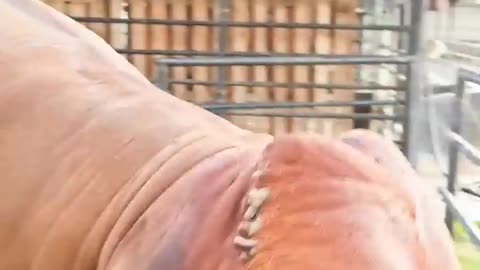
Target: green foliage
column 468, row 254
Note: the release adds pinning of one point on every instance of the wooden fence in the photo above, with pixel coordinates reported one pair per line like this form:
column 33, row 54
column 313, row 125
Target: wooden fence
column 260, row 40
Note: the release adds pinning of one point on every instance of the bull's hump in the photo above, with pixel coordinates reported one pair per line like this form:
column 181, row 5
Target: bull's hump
column 321, row 200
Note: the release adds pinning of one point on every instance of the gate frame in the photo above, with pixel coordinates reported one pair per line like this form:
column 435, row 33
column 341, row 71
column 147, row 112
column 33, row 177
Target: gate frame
column 414, row 76
column 414, row 71
column 459, row 145
column 413, row 60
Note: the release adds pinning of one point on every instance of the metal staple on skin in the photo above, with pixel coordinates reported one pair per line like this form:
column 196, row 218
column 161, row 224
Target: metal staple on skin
column 244, row 243
column 251, row 222
column 255, row 199
column 250, row 228
column 247, row 255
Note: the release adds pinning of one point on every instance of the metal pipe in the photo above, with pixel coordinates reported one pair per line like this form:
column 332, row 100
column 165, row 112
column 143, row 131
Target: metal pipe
column 222, row 38
column 255, row 105
column 470, row 151
column 456, row 127
column 286, row 60
column 415, row 79
column 365, row 116
column 469, row 76
column 403, row 37
column 225, row 53
column 162, row 79
column 244, row 54
column 299, row 85
column 241, row 24
column 469, row 226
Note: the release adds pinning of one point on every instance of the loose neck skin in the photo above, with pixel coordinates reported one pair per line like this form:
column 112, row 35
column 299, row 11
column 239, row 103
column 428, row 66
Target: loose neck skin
column 192, row 224
column 329, row 208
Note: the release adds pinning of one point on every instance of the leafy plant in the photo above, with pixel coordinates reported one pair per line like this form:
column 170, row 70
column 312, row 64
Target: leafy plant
column 468, row 254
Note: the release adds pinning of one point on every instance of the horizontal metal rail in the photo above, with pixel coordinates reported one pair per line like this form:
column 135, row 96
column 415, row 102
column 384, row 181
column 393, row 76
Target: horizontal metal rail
column 288, row 105
column 457, row 145
column 240, row 24
column 222, row 54
column 285, row 60
column 469, row 76
column 470, row 151
column 209, row 53
column 354, row 116
column 291, row 85
column 469, row 226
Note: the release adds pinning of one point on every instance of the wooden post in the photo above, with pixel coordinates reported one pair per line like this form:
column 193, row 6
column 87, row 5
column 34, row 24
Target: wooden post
column 322, row 45
column 280, row 73
column 302, row 45
column 115, row 36
column 158, row 33
column 239, row 43
column 179, row 35
column 98, row 8
column 78, row 9
column 138, row 34
column 260, row 73
column 200, row 42
column 343, row 74
column 57, row 4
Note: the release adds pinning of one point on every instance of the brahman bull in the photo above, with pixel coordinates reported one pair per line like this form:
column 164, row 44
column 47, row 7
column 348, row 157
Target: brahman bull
column 101, row 170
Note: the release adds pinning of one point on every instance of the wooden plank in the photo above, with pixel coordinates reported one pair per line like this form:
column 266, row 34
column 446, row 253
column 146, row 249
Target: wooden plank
column 323, row 45
column 138, row 34
column 116, row 38
column 200, row 42
column 343, row 74
column 57, row 4
column 301, row 74
column 281, row 41
column 260, row 73
column 78, row 9
column 179, row 35
column 239, row 38
column 159, row 37
column 98, row 8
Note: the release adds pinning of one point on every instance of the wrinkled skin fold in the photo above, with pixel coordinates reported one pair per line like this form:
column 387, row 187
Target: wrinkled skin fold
column 102, row 171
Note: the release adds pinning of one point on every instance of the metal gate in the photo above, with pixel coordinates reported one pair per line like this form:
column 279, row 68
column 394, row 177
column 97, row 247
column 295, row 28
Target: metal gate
column 389, row 67
column 459, row 145
column 389, row 71
column 402, row 62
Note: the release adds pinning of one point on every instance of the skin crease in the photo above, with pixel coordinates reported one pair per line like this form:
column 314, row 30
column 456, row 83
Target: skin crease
column 102, row 171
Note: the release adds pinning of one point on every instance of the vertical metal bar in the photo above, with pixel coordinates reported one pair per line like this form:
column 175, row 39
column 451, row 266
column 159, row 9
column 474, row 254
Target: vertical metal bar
column 451, row 23
column 414, row 81
column 456, row 127
column 222, row 37
column 163, row 81
column 361, row 13
column 401, row 69
column 401, row 41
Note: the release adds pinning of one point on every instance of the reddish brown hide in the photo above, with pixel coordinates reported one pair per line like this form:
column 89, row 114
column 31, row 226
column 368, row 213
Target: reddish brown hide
column 337, row 207
column 87, row 145
column 102, row 171
column 435, row 239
